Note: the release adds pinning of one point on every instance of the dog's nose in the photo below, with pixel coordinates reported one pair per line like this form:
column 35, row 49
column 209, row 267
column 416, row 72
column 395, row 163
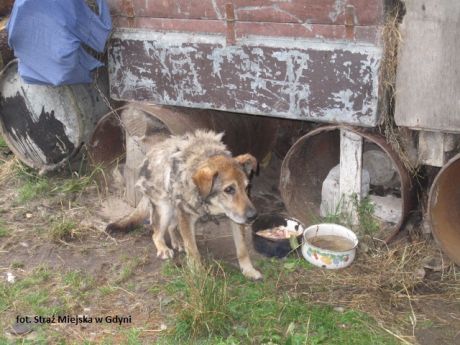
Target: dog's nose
column 251, row 215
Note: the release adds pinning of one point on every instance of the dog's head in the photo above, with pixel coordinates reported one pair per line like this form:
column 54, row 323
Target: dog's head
column 223, row 182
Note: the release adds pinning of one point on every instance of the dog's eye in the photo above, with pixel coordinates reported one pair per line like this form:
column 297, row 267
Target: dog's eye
column 230, row 190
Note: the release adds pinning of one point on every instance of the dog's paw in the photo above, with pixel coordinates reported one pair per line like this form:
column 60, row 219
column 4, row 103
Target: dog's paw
column 177, row 246
column 252, row 273
column 165, row 253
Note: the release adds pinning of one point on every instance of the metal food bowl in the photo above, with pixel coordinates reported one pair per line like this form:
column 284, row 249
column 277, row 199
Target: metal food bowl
column 328, row 258
column 270, row 247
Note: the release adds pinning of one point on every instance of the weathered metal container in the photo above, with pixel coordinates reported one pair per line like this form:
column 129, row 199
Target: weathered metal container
column 45, row 126
column 311, row 59
column 444, row 209
column 308, row 163
column 243, row 133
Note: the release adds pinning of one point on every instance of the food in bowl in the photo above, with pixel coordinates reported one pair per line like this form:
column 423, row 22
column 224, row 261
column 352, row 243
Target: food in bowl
column 279, row 232
column 271, row 234
column 330, row 246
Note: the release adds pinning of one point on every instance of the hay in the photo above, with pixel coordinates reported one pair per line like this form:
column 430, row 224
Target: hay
column 8, row 169
column 391, row 37
column 384, row 283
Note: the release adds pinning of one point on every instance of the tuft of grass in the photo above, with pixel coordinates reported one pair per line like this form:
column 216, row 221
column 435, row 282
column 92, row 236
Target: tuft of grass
column 63, row 230
column 33, row 189
column 204, row 312
column 106, row 290
column 127, row 270
column 17, row 264
column 132, row 337
column 35, row 186
column 3, row 144
column 3, row 230
column 368, row 225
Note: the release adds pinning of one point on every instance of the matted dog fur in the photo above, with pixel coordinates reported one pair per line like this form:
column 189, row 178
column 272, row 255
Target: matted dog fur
column 185, row 178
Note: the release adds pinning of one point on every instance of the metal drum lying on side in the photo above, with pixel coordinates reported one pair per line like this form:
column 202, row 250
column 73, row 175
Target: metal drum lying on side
column 311, row 158
column 444, row 209
column 45, row 126
column 243, row 133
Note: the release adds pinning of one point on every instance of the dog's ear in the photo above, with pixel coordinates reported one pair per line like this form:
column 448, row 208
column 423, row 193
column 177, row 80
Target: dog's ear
column 204, row 178
column 248, row 162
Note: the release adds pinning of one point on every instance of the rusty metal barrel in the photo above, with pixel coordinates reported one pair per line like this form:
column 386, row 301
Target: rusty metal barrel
column 308, row 163
column 444, row 208
column 243, row 133
column 45, row 126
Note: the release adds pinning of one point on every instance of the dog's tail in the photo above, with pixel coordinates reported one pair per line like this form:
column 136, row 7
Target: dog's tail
column 134, row 219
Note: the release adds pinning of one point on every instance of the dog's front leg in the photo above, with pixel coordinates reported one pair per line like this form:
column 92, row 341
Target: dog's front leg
column 242, row 252
column 187, row 231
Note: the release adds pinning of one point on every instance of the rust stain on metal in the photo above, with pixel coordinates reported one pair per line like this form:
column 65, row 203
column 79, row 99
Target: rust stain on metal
column 350, row 21
column 230, row 24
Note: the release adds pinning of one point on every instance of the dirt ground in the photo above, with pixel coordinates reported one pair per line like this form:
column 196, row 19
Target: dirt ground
column 129, row 267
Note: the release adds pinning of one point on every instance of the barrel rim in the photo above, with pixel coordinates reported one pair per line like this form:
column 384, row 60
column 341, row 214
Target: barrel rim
column 407, row 187
column 431, row 199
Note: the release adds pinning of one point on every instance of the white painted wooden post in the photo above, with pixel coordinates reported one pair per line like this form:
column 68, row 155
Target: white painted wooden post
column 351, row 154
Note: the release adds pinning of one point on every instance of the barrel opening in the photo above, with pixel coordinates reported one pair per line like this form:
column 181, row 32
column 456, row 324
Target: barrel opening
column 310, row 172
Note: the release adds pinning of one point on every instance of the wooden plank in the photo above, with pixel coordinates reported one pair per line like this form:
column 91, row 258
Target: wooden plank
column 428, row 80
column 306, row 12
column 351, row 154
column 436, row 148
column 293, row 78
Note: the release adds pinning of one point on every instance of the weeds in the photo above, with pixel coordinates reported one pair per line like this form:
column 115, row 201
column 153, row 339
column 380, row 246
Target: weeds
column 368, row 225
column 35, row 186
column 204, row 311
column 62, row 230
column 3, row 230
column 3, row 144
column 128, row 270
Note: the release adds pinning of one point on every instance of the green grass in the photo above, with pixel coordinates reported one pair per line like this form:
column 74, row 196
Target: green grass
column 35, row 186
column 127, row 269
column 220, row 306
column 367, row 224
column 3, row 144
column 33, row 189
column 62, row 229
column 3, row 230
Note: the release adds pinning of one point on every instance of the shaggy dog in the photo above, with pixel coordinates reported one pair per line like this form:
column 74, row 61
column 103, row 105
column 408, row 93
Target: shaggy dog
column 185, row 178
